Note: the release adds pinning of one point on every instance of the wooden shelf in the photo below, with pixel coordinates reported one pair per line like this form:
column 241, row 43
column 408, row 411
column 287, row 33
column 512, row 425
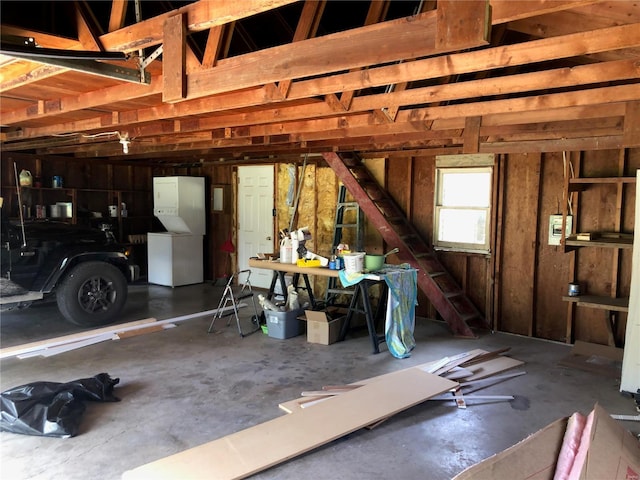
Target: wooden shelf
column 592, row 180
column 581, row 183
column 96, row 198
column 606, row 240
column 604, row 303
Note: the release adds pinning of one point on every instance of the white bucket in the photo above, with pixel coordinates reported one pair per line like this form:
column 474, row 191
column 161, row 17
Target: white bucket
column 353, row 262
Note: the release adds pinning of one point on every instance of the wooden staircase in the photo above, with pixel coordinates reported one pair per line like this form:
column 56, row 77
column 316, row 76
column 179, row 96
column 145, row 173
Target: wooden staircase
column 433, row 280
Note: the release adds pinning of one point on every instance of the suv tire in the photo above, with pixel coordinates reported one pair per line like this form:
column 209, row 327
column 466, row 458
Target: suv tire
column 92, row 294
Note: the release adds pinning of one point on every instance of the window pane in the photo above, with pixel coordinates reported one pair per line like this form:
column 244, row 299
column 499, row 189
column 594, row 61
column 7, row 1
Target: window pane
column 462, row 226
column 466, row 189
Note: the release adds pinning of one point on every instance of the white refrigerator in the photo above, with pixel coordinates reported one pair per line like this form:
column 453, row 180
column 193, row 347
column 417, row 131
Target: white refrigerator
column 175, row 257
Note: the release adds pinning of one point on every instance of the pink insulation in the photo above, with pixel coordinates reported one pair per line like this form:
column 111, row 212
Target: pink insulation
column 570, row 446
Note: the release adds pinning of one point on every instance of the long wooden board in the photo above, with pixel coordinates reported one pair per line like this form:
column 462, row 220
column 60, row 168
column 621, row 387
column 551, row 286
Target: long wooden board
column 257, row 448
column 30, row 349
column 75, row 337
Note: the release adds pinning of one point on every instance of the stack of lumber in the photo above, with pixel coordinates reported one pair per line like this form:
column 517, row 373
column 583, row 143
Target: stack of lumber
column 358, row 405
column 475, row 369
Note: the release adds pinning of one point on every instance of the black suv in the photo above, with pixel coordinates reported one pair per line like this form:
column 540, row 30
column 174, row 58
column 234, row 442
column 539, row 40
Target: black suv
column 85, row 268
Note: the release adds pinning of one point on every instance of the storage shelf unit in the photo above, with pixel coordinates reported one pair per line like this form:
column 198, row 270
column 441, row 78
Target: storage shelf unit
column 138, row 203
column 615, row 240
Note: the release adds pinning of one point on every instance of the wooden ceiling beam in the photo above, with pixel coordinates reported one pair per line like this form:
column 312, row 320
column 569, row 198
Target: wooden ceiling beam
column 594, row 96
column 307, row 27
column 89, row 100
column 88, row 27
column 369, row 135
column 281, row 121
column 174, row 86
column 518, row 54
column 462, row 23
column 201, row 15
column 377, row 12
column 508, row 11
column 22, row 73
column 567, row 113
column 365, row 46
column 213, row 46
column 622, row 12
column 206, row 14
column 118, row 14
column 45, row 40
column 535, row 51
column 380, row 144
column 505, row 85
column 569, row 144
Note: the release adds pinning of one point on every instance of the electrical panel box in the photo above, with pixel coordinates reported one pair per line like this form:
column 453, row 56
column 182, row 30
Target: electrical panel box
column 555, row 228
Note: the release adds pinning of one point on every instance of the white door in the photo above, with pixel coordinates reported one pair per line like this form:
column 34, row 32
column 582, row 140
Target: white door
column 631, row 362
column 255, row 219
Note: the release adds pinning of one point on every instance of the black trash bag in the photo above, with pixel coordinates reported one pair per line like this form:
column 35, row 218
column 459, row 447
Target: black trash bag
column 52, row 409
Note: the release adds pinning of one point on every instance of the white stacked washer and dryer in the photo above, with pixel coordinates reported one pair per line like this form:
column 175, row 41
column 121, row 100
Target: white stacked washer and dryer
column 175, row 257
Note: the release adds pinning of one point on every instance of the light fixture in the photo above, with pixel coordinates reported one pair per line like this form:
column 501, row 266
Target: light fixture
column 124, row 141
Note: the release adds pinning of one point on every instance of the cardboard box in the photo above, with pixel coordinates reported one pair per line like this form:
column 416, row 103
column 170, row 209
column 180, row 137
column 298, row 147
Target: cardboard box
column 323, row 327
column 612, row 453
column 283, row 325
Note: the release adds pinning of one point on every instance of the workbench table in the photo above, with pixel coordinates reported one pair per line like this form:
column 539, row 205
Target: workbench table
column 360, row 302
column 281, row 269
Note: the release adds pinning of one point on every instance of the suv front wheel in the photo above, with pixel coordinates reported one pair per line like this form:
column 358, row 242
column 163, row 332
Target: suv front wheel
column 92, row 294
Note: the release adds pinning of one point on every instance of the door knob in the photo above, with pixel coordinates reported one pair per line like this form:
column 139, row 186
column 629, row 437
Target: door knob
column 268, row 238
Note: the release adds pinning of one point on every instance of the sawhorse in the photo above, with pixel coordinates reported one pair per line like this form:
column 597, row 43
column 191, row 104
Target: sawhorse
column 361, row 296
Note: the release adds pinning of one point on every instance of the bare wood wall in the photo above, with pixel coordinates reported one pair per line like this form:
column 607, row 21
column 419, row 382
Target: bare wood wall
column 525, row 293
column 521, row 293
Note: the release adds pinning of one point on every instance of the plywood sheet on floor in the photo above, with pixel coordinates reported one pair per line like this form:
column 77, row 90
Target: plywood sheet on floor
column 243, row 453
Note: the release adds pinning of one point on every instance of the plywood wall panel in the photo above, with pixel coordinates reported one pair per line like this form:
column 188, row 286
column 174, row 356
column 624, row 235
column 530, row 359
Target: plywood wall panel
column 552, row 276
column 422, row 214
column 476, row 284
column 422, row 198
column 399, row 184
column 522, row 181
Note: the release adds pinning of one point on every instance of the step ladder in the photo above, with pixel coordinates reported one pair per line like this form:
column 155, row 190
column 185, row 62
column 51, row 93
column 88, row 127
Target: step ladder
column 434, row 281
column 343, row 207
column 231, row 300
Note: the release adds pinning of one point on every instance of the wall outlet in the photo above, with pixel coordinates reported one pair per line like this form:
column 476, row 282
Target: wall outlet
column 555, row 228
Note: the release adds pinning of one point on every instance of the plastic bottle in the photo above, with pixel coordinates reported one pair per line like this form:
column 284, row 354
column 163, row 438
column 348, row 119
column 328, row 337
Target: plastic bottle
column 285, row 250
column 25, row 178
column 294, row 248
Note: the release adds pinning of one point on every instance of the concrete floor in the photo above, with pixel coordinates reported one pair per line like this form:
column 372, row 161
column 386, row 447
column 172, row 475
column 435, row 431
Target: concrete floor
column 182, row 387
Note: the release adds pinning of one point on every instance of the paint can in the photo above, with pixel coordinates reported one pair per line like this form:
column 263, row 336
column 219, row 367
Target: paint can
column 574, row 289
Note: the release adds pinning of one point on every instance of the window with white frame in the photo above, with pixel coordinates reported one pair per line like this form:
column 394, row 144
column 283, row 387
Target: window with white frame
column 463, row 192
